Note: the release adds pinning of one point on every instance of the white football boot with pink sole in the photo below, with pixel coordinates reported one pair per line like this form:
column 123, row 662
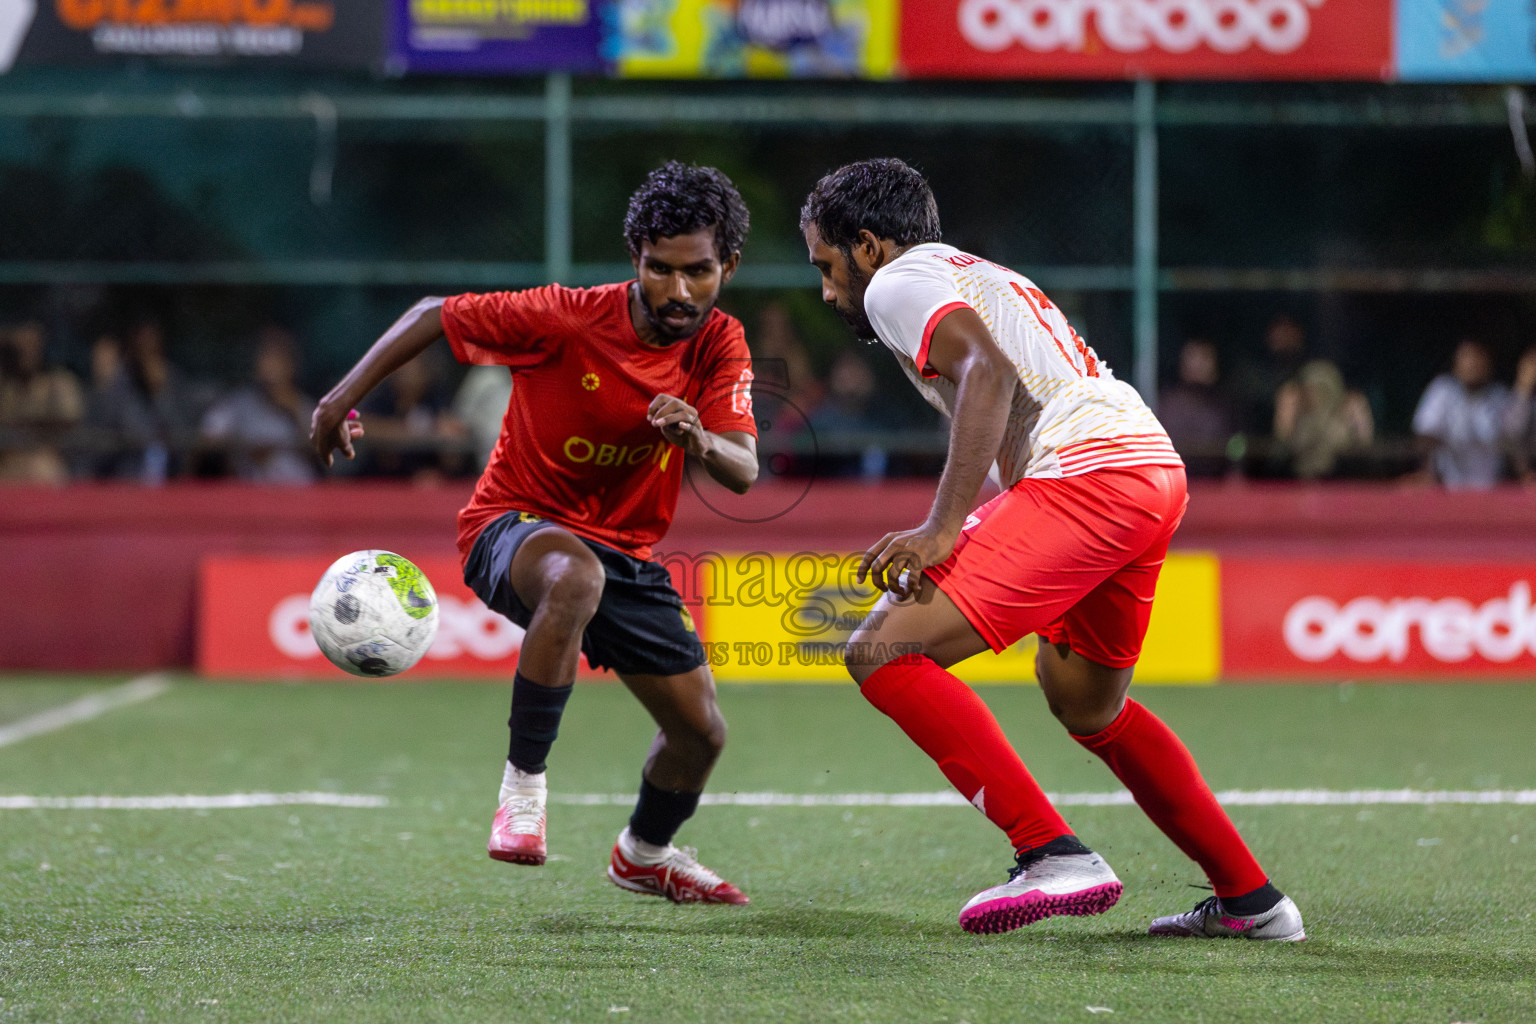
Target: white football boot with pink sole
column 1070, row 885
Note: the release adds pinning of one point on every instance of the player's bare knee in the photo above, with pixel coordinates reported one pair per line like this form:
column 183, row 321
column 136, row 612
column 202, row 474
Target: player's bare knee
column 856, row 657
column 701, row 738
column 858, row 670
column 1084, row 714
column 1071, row 716
column 713, row 737
column 573, row 596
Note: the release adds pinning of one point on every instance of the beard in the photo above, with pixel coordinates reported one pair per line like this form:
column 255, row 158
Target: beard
column 858, row 322
column 675, row 332
column 853, row 315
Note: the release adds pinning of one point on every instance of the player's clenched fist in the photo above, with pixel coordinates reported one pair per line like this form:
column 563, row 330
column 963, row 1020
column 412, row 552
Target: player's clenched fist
column 896, row 562
column 677, row 420
column 331, row 430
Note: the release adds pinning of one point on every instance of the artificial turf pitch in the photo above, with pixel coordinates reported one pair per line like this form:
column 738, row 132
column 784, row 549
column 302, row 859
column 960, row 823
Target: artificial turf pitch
column 1414, row 913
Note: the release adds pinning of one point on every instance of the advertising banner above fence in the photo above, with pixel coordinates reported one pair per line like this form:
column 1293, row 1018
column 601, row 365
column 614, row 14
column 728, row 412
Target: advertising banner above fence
column 506, row 37
column 753, row 38
column 1332, row 619
column 330, row 33
column 1466, row 40
column 1233, row 39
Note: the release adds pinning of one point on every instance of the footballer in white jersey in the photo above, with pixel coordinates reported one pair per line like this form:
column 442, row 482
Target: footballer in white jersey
column 1069, row 413
column 1070, row 550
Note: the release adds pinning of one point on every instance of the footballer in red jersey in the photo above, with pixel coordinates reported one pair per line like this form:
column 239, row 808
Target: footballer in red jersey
column 613, row 387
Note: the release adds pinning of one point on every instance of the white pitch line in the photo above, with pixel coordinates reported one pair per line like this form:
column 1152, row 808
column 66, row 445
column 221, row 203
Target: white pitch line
column 1118, row 798
column 188, row 803
column 84, row 709
column 1316, row 797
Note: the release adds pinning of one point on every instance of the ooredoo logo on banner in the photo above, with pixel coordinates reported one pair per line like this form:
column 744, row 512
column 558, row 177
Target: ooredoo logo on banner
column 1287, row 618
column 253, row 622
column 1159, row 38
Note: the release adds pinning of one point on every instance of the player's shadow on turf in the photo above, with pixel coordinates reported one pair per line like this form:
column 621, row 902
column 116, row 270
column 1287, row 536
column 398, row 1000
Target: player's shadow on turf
column 791, row 923
column 810, row 922
column 1164, row 956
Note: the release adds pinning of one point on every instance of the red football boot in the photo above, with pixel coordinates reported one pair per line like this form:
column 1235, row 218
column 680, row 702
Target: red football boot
column 517, row 831
column 679, row 877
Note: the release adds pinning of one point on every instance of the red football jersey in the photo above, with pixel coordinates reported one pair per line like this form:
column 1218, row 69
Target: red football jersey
column 576, row 446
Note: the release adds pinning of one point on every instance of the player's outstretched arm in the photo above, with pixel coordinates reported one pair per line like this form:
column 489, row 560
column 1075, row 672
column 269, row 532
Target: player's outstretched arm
column 331, row 429
column 730, row 457
column 961, row 349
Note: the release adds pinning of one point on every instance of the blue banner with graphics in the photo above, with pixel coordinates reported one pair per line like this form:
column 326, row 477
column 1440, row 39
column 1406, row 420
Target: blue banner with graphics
column 1466, row 40
column 497, row 36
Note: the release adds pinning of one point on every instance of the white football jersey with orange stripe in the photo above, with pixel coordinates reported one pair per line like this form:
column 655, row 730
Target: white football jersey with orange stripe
column 1069, row 416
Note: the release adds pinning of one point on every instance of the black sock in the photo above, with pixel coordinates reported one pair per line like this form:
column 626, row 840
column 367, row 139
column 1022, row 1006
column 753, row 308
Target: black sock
column 1060, row 846
column 1252, row 904
column 659, row 813
column 535, row 721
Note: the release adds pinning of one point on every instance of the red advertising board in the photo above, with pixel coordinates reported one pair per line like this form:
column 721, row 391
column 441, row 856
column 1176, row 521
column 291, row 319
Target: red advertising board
column 253, row 623
column 1235, row 39
column 1332, row 619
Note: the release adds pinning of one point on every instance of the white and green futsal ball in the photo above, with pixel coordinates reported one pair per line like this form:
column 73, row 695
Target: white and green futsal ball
column 373, row 613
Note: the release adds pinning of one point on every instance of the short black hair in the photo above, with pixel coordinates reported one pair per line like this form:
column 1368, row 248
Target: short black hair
column 885, row 197
column 679, row 199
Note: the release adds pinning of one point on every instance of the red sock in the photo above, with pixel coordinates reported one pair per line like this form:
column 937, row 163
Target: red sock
column 1160, row 773
column 956, row 728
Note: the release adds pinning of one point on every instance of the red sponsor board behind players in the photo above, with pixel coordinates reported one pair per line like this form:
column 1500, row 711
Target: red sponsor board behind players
column 253, row 623
column 1284, row 39
column 1332, row 620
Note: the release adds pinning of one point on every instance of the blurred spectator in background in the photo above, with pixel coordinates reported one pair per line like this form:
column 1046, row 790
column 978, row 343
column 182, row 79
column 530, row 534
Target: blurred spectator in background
column 38, row 403
column 785, row 395
column 106, row 362
column 1258, row 379
column 1460, row 421
column 411, row 431
column 96, row 441
column 782, row 364
column 847, row 412
column 150, row 409
column 1196, row 413
column 849, row 393
column 1520, row 419
column 481, row 405
column 261, row 431
column 1317, row 419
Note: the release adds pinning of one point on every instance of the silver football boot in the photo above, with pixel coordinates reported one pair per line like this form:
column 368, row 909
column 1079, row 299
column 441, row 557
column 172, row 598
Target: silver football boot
column 1280, row 923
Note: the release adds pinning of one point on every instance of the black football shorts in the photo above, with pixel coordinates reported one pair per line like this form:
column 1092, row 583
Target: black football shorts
column 641, row 626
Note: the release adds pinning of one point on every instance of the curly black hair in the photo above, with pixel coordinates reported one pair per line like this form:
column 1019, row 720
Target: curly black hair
column 679, row 199
column 885, row 197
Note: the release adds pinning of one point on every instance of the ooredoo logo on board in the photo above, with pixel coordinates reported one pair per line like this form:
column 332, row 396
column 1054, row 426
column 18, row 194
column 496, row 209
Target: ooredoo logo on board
column 1130, row 38
column 1377, row 618
column 253, row 621
column 1450, row 630
column 1131, row 26
column 466, row 629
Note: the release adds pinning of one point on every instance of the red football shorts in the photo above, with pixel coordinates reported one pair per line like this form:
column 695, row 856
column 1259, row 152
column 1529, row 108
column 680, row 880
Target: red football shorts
column 1073, row 559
